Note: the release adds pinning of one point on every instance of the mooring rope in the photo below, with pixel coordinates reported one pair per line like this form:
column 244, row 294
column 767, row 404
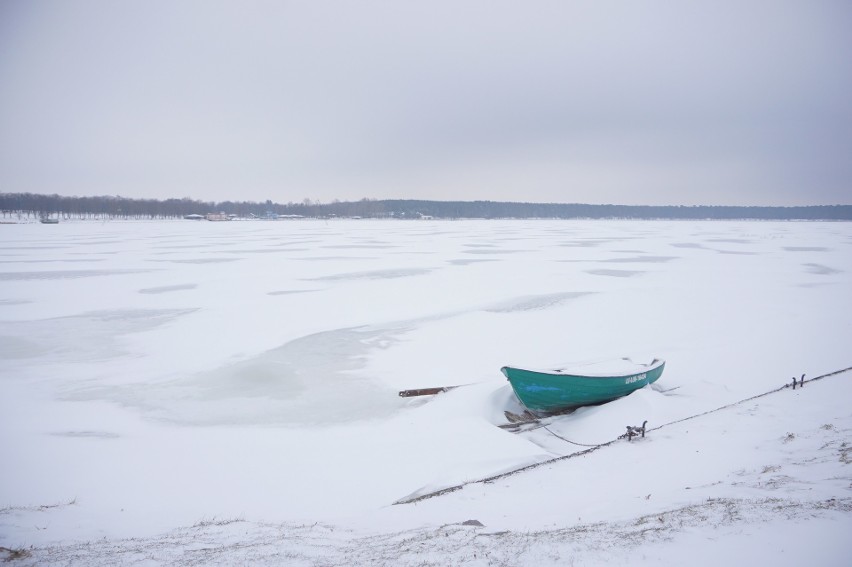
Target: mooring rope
column 546, row 428
column 732, row 404
column 592, row 448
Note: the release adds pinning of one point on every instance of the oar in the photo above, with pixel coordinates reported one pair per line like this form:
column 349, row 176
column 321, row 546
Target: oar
column 430, row 391
column 425, row 391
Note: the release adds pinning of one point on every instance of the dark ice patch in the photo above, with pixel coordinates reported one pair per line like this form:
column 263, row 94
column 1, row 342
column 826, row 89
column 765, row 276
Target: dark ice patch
column 642, row 259
column 373, row 275
column 14, row 301
column 291, row 291
column 615, row 273
column 821, row 270
column 65, row 274
column 86, row 434
column 468, row 261
column 168, row 288
column 535, row 302
column 199, row 260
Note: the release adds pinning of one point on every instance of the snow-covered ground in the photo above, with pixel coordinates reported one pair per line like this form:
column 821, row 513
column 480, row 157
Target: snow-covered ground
column 217, row 393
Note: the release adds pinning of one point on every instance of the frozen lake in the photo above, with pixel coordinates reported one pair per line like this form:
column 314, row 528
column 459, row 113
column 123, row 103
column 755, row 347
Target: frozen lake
column 161, row 375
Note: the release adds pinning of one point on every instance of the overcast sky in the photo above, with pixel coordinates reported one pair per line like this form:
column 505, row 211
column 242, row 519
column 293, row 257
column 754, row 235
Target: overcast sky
column 667, row 102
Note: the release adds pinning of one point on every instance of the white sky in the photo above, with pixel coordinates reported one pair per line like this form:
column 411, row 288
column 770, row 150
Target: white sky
column 739, row 103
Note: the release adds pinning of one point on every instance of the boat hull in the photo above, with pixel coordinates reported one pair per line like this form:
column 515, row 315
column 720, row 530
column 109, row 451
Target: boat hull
column 555, row 391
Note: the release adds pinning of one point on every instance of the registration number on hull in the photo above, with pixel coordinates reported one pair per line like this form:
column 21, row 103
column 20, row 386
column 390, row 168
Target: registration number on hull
column 636, row 378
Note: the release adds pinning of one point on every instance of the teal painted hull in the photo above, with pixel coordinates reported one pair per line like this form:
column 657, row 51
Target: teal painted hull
column 555, row 391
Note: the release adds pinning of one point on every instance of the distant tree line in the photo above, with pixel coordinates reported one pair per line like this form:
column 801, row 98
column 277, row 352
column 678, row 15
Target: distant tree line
column 30, row 205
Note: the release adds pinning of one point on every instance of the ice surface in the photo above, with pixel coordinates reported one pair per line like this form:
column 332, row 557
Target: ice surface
column 236, row 384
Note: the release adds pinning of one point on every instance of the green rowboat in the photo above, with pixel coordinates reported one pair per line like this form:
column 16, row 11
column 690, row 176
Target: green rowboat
column 563, row 388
